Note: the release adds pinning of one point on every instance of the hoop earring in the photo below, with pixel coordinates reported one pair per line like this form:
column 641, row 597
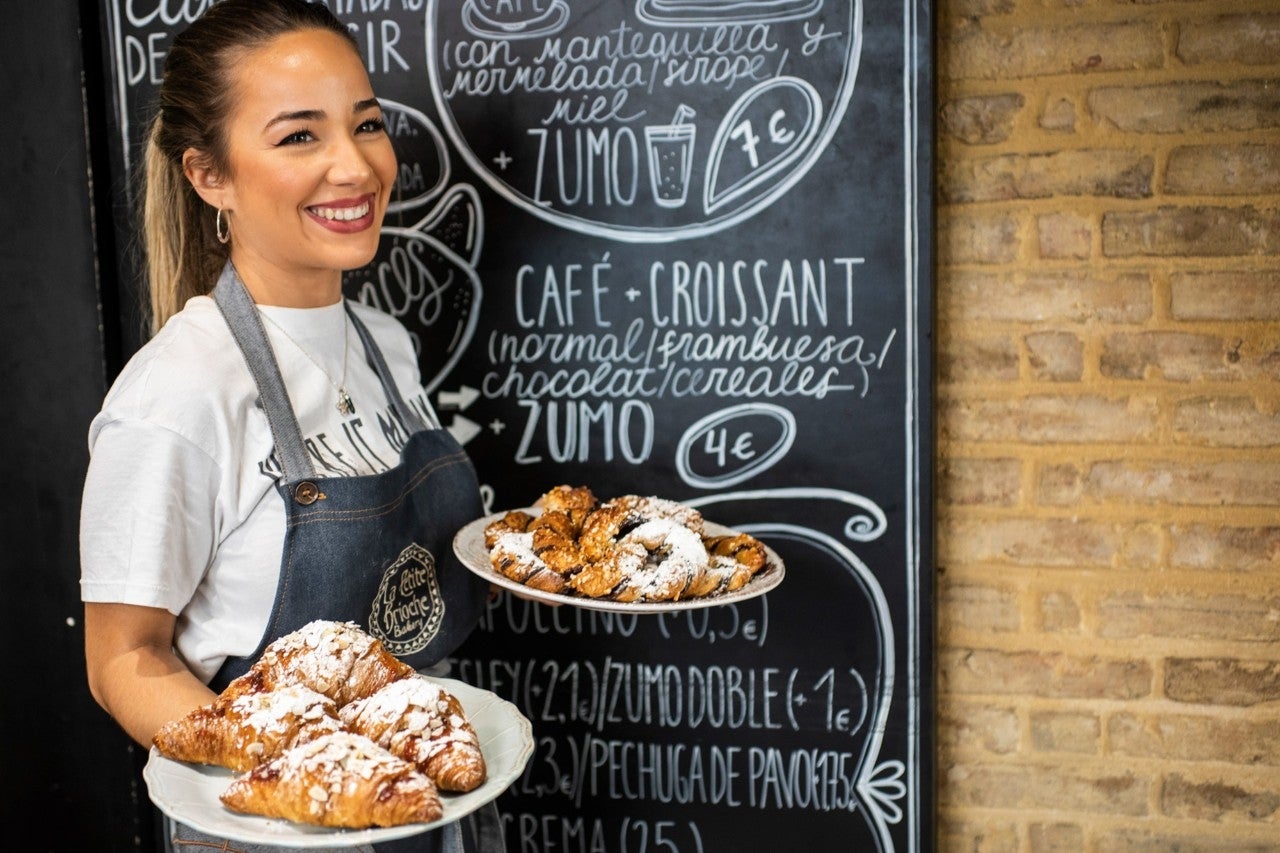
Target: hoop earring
column 223, row 230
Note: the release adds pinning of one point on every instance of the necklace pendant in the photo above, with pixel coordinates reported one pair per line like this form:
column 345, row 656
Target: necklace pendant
column 345, row 406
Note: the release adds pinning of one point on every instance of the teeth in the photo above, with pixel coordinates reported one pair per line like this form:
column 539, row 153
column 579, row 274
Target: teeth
column 342, row 213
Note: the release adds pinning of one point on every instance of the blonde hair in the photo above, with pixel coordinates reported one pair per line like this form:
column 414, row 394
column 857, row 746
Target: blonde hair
column 183, row 253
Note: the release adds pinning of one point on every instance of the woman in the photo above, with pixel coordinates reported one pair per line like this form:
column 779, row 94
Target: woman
column 269, row 457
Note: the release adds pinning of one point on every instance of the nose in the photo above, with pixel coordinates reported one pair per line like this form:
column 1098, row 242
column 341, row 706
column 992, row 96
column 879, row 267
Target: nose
column 350, row 164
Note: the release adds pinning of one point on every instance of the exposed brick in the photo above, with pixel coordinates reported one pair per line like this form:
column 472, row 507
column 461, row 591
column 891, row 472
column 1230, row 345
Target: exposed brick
column 1230, row 483
column 1045, row 419
column 1218, row 800
column 1056, row 356
column 969, row 726
column 1117, row 173
column 1141, row 546
column 1191, row 231
column 978, row 837
column 966, row 481
column 978, row 608
column 978, row 8
column 981, row 119
column 988, row 359
column 1175, row 841
column 1048, row 297
column 1059, row 613
column 1195, row 737
column 1008, row 52
column 1064, row 543
column 1060, row 485
column 1225, row 295
column 1248, row 39
column 1184, row 107
column 1107, row 183
column 1059, row 115
column 1056, row 838
column 1210, row 681
column 1064, row 731
column 980, row 238
column 1223, row 170
column 1186, row 357
column 1203, row 547
column 1046, row 674
column 1064, row 235
column 1225, row 422
column 1243, row 618
column 1022, row 787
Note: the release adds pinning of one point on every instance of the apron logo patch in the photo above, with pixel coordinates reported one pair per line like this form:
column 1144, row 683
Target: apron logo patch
column 409, row 609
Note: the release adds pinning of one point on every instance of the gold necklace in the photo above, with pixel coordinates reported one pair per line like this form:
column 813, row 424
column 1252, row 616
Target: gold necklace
column 344, row 404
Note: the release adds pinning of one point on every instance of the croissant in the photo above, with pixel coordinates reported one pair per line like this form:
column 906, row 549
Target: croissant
column 337, row 659
column 244, row 731
column 423, row 723
column 338, row 780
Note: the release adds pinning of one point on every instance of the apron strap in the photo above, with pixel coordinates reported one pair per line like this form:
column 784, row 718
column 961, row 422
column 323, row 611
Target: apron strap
column 246, row 327
column 412, row 423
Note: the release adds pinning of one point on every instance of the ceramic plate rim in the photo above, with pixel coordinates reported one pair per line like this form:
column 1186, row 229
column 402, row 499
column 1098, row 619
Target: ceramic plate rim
column 506, row 738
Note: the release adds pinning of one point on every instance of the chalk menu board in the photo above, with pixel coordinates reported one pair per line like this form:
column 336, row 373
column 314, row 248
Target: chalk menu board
column 675, row 248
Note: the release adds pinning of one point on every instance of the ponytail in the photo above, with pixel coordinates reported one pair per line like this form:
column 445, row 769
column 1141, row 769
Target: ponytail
column 183, row 256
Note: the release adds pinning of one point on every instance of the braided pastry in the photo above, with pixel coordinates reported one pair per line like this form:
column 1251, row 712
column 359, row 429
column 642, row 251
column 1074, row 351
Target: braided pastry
column 630, row 548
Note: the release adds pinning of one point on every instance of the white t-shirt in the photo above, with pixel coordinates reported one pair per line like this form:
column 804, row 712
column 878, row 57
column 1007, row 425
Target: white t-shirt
column 180, row 509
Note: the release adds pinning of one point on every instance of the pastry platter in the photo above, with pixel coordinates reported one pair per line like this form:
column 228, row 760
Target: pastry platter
column 469, row 545
column 188, row 793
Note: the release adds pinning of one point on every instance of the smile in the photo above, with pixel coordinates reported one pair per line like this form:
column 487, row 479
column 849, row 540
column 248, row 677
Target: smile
column 341, row 214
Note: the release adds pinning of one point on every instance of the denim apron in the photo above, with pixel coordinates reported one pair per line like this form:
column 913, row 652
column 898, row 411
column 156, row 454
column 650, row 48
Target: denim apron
column 375, row 549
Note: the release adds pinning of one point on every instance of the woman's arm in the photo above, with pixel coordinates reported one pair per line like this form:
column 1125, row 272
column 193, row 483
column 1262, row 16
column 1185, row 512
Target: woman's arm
column 133, row 672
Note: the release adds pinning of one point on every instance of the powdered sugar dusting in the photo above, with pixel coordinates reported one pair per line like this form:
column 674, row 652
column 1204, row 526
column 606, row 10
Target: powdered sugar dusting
column 332, row 769
column 273, row 711
column 320, row 654
column 676, row 553
column 412, row 717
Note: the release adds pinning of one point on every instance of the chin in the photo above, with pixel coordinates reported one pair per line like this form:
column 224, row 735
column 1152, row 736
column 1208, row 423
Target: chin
column 356, row 259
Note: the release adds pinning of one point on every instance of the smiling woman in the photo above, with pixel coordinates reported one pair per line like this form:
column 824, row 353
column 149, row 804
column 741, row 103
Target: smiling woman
column 219, row 451
column 309, row 169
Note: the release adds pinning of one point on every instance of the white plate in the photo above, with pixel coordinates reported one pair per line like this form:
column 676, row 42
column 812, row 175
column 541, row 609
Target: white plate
column 189, row 792
column 469, row 545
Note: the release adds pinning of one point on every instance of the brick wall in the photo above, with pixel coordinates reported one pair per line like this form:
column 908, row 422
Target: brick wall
column 1108, row 405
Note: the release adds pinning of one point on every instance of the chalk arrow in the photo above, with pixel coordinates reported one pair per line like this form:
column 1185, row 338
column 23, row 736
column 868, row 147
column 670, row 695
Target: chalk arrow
column 462, row 429
column 459, row 399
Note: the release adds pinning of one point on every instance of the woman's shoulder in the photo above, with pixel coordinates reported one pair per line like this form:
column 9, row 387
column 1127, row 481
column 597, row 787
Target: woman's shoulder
column 188, row 367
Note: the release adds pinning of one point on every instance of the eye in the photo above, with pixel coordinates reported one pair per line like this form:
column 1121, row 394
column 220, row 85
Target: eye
column 373, row 125
column 297, row 137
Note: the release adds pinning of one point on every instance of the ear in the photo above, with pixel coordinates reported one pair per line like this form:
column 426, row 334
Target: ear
column 207, row 182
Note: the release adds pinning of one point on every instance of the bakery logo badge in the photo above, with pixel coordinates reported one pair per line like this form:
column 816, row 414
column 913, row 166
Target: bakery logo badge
column 409, row 609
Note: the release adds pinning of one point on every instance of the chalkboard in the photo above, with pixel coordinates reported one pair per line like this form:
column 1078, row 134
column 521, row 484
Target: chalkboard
column 676, row 248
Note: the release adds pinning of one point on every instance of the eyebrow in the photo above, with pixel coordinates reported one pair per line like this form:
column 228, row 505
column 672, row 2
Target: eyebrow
column 316, row 115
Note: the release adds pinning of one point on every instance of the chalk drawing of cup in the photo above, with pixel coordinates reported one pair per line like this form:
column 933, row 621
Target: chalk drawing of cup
column 670, row 148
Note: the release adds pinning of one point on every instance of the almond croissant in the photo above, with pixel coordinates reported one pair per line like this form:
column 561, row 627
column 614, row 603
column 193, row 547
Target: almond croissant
column 337, row 780
column 423, row 723
column 242, row 732
column 337, row 659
